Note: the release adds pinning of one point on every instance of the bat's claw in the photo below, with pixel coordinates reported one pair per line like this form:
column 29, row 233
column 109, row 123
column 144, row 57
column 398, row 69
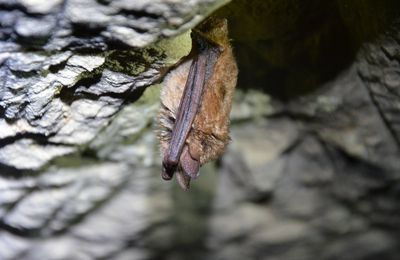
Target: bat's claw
column 165, row 175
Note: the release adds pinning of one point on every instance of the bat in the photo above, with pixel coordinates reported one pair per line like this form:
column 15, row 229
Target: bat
column 196, row 100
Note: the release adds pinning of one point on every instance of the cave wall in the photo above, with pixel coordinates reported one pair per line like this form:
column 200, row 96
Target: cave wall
column 312, row 169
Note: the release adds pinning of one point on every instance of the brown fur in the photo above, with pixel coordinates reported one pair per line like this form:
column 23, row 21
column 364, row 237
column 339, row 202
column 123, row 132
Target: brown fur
column 210, row 131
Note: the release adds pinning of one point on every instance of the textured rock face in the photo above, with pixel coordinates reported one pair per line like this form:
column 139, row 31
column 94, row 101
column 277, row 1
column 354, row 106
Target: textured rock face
column 74, row 80
column 67, row 68
column 92, row 24
column 312, row 177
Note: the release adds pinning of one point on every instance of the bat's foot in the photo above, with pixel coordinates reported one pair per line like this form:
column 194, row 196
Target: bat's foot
column 183, row 180
column 168, row 170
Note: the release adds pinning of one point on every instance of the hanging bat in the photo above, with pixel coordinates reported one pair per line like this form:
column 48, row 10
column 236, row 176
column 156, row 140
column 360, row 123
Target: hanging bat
column 196, row 101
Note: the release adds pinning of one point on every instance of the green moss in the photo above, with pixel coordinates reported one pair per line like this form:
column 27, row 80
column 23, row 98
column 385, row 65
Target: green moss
column 75, row 160
column 174, row 48
column 135, row 61
column 130, row 62
column 150, row 96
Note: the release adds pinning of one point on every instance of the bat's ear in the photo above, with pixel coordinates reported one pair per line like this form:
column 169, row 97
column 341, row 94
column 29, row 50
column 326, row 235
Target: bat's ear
column 190, row 162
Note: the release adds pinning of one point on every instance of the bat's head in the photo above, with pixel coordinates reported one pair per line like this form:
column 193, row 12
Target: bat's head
column 216, row 29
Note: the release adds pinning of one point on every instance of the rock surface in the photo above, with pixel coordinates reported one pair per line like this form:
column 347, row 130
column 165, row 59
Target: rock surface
column 70, row 85
column 309, row 174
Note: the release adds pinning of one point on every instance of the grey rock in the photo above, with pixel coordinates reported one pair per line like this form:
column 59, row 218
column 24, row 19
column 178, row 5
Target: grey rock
column 84, row 120
column 34, row 6
column 116, row 141
column 136, row 24
column 338, row 116
column 63, row 197
column 31, row 27
column 81, row 190
column 66, row 99
column 32, row 104
column 26, row 154
column 110, row 82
